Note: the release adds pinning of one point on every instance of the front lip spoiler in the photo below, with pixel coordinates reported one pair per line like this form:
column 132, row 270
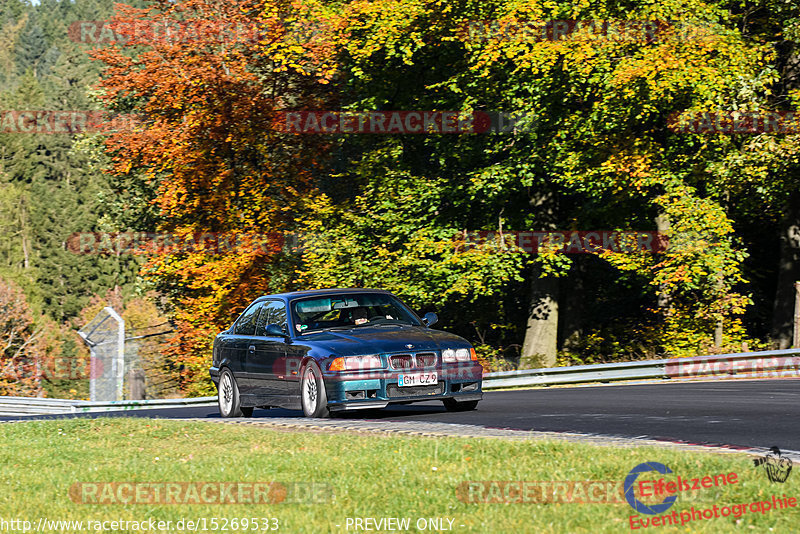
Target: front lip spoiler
column 460, row 397
column 467, row 396
column 359, row 406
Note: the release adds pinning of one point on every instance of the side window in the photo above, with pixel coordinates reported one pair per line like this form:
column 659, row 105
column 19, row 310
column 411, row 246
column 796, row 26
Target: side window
column 273, row 312
column 246, row 325
column 263, row 319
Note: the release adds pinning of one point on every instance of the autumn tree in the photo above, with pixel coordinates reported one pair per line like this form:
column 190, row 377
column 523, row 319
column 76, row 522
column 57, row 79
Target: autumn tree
column 206, row 156
column 600, row 155
column 23, row 348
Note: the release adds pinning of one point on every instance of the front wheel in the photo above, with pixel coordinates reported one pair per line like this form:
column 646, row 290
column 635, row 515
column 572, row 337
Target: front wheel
column 452, row 405
column 228, row 395
column 312, row 392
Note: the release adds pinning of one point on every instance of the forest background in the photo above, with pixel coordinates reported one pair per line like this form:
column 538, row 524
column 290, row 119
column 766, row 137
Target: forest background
column 594, row 148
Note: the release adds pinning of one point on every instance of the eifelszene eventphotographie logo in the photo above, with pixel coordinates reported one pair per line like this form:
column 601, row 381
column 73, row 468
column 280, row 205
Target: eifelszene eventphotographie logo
column 630, row 483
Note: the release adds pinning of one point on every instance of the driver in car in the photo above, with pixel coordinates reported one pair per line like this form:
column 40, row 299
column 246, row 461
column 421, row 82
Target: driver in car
column 359, row 316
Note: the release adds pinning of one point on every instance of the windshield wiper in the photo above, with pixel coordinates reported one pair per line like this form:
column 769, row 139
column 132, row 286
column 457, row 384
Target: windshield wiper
column 385, row 322
column 324, row 328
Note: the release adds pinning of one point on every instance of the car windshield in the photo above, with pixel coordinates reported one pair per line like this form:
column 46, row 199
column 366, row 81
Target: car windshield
column 350, row 310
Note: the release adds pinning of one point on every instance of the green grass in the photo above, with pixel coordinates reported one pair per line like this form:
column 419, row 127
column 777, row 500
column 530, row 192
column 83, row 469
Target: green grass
column 370, row 476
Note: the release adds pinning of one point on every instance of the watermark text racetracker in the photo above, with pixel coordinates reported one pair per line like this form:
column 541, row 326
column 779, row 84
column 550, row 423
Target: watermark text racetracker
column 117, row 243
column 59, row 368
column 740, row 366
column 540, row 491
column 586, row 30
column 567, row 242
column 64, row 121
column 163, row 31
column 532, row 242
column 169, row 31
column 402, row 122
column 217, row 492
column 734, row 122
column 572, row 491
column 292, row 122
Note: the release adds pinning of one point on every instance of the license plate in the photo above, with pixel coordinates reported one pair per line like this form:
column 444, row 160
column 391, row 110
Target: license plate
column 418, row 379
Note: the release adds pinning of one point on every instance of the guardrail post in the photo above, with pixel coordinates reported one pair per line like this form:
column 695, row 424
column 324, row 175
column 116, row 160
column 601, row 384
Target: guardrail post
column 136, row 384
column 118, row 363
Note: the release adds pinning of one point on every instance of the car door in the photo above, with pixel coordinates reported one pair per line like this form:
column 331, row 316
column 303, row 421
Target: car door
column 265, row 361
column 241, row 344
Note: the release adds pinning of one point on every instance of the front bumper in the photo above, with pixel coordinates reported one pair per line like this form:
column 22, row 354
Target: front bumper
column 351, row 390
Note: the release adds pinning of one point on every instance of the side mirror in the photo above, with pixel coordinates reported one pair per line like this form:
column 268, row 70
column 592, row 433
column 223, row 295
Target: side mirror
column 275, row 330
column 430, row 319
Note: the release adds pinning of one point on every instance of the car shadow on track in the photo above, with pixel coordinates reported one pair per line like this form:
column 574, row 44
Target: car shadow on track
column 390, row 412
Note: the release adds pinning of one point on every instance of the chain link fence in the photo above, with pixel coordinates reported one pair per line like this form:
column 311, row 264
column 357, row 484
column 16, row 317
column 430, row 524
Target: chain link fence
column 105, row 337
column 131, row 367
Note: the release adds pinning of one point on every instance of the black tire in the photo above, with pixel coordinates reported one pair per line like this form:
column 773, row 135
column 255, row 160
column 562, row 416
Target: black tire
column 228, row 396
column 247, row 411
column 313, row 398
column 453, row 405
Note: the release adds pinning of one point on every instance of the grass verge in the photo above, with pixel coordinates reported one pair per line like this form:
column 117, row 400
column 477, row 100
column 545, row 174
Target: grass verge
column 349, row 476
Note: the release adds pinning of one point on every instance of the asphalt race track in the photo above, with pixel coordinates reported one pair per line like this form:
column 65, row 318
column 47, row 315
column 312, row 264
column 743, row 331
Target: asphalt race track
column 749, row 413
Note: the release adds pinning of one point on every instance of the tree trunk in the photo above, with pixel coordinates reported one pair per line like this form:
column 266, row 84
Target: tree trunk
column 541, row 334
column 664, row 298
column 788, row 274
column 572, row 302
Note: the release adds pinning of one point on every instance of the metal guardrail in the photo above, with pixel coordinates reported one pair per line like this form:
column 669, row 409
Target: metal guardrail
column 575, row 374
column 772, row 363
column 13, row 406
column 33, row 406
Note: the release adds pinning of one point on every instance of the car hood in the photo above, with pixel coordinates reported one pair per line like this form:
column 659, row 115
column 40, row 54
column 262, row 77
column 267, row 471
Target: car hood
column 382, row 339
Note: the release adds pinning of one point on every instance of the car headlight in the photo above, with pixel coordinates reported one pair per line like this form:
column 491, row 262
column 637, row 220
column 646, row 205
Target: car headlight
column 458, row 355
column 356, row 363
column 462, row 355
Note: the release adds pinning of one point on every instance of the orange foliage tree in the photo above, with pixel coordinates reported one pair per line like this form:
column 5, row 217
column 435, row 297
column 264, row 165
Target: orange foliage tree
column 22, row 350
column 207, row 95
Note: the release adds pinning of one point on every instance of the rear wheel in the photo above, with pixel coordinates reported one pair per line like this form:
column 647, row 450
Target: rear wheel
column 312, row 392
column 228, row 396
column 453, row 405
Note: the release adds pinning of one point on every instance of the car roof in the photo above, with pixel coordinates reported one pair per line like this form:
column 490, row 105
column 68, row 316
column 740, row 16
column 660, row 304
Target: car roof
column 321, row 292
